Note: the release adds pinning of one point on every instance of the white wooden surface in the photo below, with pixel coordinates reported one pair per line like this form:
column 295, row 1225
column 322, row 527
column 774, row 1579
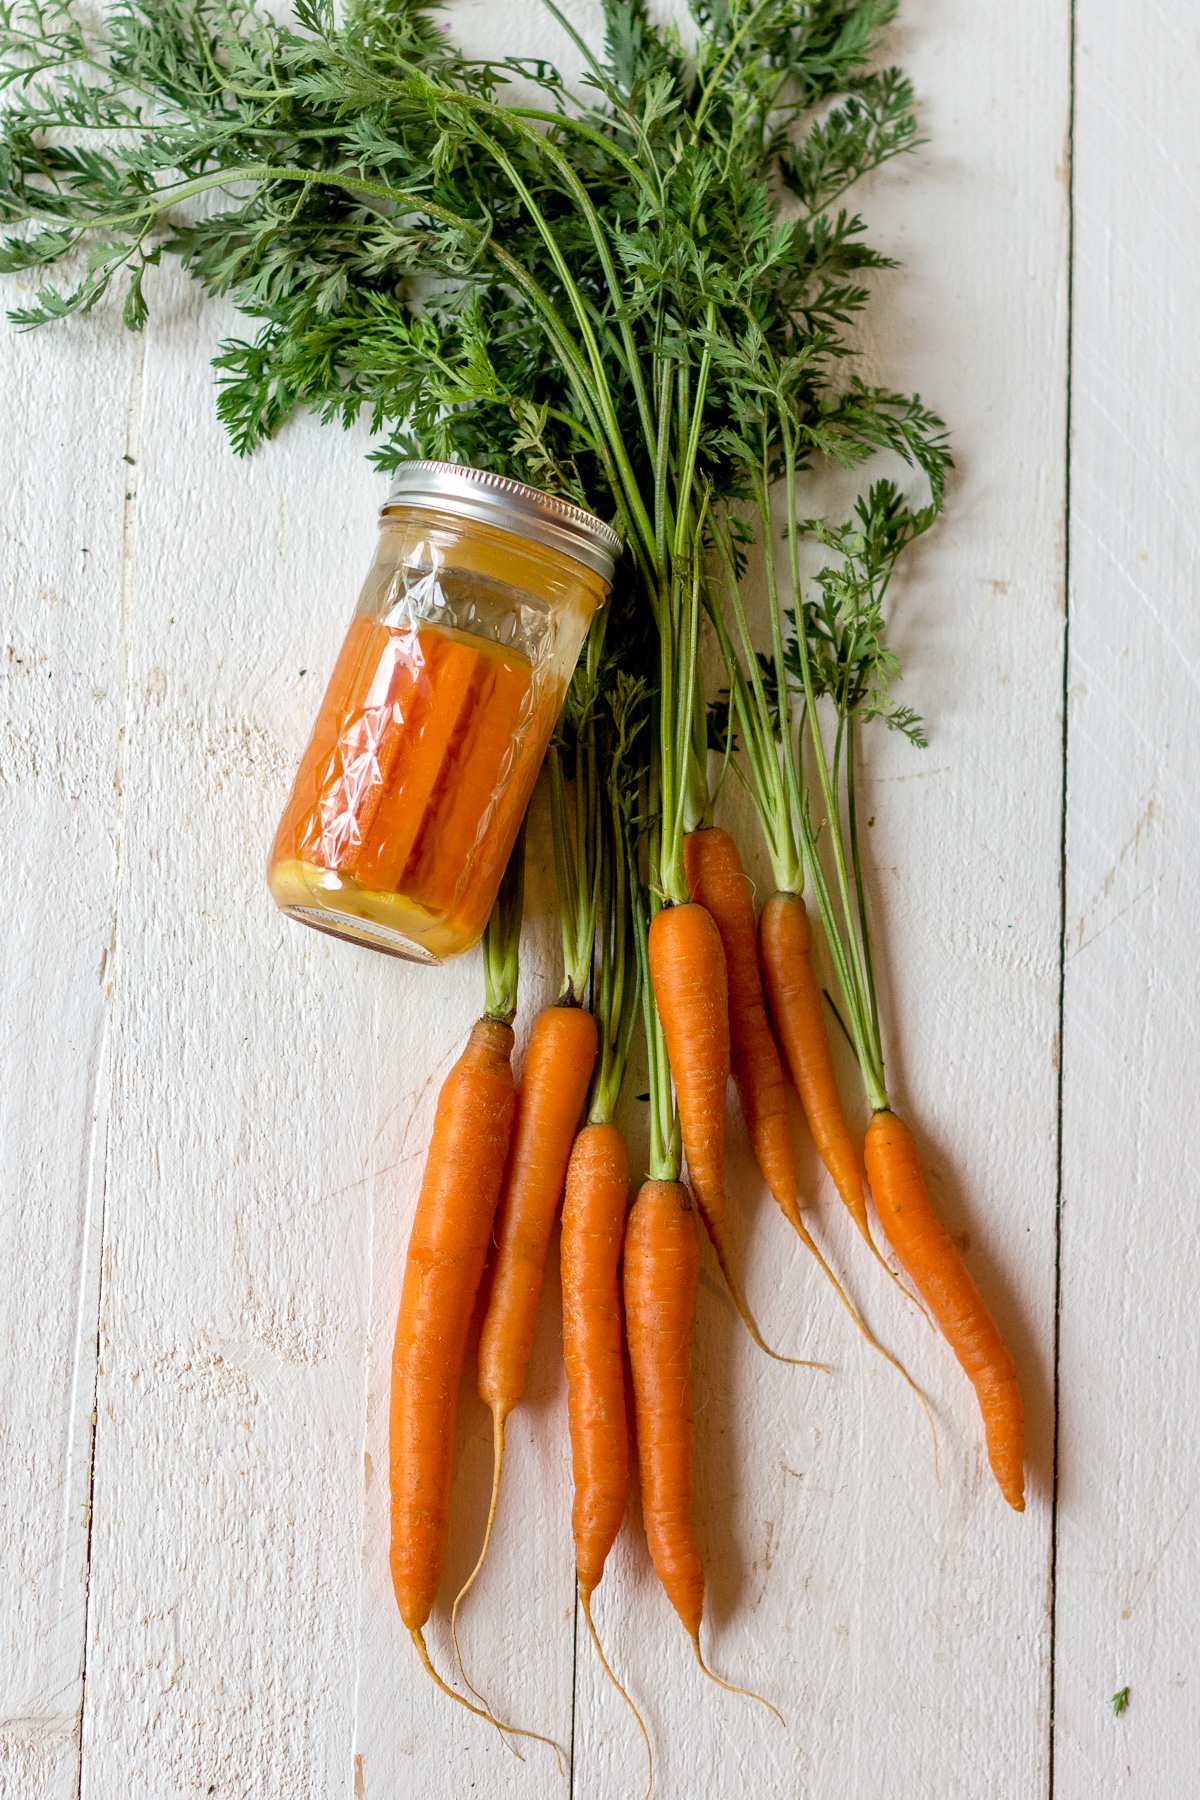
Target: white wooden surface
column 213, row 1122
column 1129, row 1482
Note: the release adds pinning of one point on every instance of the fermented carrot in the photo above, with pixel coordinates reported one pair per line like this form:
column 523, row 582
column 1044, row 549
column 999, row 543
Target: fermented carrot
column 554, row 1083
column 661, row 1276
column 300, row 826
column 395, row 813
column 466, row 795
column 533, row 726
column 926, row 1250
column 691, row 990
column 593, row 1230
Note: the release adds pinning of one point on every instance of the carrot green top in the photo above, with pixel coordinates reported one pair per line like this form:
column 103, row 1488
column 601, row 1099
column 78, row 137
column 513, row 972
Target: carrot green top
column 618, row 972
column 502, row 939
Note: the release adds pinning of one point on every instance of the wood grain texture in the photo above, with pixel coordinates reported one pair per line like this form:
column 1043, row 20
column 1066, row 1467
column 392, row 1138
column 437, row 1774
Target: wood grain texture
column 62, row 712
column 1129, row 1523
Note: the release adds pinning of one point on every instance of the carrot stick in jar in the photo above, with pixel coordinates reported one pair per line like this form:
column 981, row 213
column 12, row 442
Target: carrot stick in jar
column 399, row 808
column 459, row 814
column 299, row 828
column 495, row 846
column 370, row 746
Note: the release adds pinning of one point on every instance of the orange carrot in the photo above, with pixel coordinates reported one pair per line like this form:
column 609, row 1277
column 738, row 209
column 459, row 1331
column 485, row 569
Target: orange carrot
column 926, row 1250
column 593, row 1229
column 398, row 803
column 468, row 787
column 691, row 990
column 718, row 883
column 662, row 1270
column 554, row 1083
column 784, row 943
column 446, row 1253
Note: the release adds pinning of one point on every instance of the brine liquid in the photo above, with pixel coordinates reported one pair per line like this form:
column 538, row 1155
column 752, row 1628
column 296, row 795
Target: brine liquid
column 413, row 786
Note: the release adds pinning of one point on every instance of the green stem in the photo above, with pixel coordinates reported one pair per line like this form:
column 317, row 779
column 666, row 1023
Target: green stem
column 852, row 812
column 618, row 984
column 630, row 488
column 844, row 945
column 664, row 1160
column 749, row 708
column 502, row 939
column 684, row 770
column 710, row 85
column 791, row 773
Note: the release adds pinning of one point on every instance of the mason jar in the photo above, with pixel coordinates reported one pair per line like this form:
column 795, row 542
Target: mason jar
column 439, row 710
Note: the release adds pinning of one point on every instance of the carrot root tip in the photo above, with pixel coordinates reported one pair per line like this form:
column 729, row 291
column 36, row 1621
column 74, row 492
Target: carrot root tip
column 464, row 1590
column 418, row 1638
column 585, row 1600
column 731, row 1687
column 747, row 1318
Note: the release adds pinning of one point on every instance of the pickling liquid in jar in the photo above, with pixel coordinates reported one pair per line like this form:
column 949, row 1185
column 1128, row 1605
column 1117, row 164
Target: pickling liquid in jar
column 439, row 711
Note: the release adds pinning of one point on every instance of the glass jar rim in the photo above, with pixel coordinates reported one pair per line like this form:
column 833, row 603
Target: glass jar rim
column 497, row 500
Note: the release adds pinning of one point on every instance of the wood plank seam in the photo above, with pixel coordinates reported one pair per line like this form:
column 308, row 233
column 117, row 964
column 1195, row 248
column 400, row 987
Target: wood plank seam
column 1052, row 1598
column 133, row 429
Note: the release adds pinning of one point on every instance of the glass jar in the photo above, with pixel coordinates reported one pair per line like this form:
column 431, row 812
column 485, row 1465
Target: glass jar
column 439, row 711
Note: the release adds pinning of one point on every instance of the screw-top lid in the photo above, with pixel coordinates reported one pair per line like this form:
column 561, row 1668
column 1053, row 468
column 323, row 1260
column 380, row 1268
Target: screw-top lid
column 510, row 506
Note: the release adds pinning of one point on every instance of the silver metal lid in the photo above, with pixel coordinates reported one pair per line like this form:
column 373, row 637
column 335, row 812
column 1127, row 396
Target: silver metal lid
column 510, row 506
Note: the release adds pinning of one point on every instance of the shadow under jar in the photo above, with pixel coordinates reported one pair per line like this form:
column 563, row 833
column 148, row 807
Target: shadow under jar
column 439, row 711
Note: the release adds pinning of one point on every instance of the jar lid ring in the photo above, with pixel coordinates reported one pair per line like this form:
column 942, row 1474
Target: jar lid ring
column 497, row 500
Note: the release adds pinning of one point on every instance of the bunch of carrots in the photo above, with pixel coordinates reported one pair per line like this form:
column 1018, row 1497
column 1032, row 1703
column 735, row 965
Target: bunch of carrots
column 718, row 994
column 639, row 298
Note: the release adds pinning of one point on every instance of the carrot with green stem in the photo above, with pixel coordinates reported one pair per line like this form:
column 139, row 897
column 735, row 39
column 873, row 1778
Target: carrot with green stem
column 764, row 725
column 718, row 882
column 593, row 1219
column 661, row 1278
column 446, row 1253
column 838, row 651
column 555, row 1076
column 685, row 956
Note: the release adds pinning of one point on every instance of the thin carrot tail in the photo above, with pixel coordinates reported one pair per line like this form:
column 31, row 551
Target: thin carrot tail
column 810, row 1244
column 731, row 1688
column 747, row 1317
column 464, row 1590
column 417, row 1636
column 864, row 1227
column 585, row 1600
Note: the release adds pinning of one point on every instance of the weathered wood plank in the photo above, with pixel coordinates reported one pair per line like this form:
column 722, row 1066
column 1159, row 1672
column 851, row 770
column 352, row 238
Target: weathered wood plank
column 228, row 1485
column 68, row 414
column 1130, row 1388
